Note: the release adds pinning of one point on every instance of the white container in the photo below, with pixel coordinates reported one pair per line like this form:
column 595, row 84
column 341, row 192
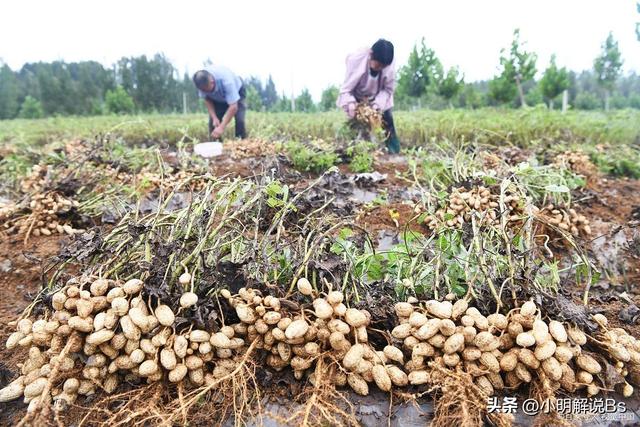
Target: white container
column 208, row 149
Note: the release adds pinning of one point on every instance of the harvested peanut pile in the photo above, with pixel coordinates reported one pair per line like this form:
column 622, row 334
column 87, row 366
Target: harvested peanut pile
column 44, row 216
column 102, row 333
column 491, row 160
column 148, row 180
column 576, row 161
column 624, row 351
column 36, row 180
column 7, row 210
column 566, row 219
column 463, row 204
column 42, row 213
column 243, row 148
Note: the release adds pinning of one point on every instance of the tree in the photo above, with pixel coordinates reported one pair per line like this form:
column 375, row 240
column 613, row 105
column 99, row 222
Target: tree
column 608, row 67
column 254, row 100
column 31, row 109
column 554, row 81
column 188, row 88
column 329, row 98
column 270, row 96
column 8, row 93
column 54, row 89
column 470, row 97
column 282, row 105
column 638, row 23
column 587, row 101
column 518, row 67
column 66, row 88
column 420, row 73
column 534, row 96
column 91, row 81
column 256, row 83
column 502, row 90
column 150, row 82
column 118, row 101
column 450, row 85
column 304, row 102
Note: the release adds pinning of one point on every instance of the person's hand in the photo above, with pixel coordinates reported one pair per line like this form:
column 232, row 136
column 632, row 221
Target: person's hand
column 216, row 122
column 375, row 106
column 217, row 132
column 351, row 110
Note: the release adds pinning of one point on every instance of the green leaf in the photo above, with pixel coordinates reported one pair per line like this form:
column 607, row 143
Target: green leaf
column 553, row 188
column 337, row 249
column 345, row 233
column 400, row 290
column 459, row 290
column 489, row 180
column 443, row 243
column 375, row 270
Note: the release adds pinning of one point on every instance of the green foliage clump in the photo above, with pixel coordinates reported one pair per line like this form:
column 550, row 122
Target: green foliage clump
column 304, row 102
column 587, row 101
column 313, row 157
column 518, row 67
column 608, row 66
column 329, row 98
column 554, row 81
column 31, row 109
column 118, row 101
column 254, row 100
column 622, row 162
column 361, row 156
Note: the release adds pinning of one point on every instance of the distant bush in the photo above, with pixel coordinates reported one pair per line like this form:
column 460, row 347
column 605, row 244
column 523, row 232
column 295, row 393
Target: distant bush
column 587, row 101
column 31, row 109
column 118, row 101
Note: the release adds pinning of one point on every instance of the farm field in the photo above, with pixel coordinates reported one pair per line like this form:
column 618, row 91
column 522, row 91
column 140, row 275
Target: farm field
column 305, row 276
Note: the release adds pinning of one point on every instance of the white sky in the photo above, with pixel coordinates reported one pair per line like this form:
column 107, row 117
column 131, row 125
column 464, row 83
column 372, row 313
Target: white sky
column 304, row 43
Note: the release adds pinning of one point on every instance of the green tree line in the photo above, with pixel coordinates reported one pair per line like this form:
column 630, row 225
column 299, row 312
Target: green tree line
column 423, row 81
column 142, row 84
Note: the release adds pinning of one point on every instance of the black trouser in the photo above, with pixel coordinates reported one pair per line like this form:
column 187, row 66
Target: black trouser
column 387, row 122
column 222, row 107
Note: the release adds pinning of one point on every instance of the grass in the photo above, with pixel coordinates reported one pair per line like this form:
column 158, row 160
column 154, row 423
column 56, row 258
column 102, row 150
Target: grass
column 494, row 126
column 612, row 140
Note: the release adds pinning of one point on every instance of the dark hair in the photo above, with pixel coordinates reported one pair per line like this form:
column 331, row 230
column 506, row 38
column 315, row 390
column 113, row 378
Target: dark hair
column 382, row 51
column 201, row 78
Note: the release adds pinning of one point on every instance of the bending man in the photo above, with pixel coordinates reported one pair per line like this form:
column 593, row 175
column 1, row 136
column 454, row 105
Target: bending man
column 224, row 95
column 371, row 77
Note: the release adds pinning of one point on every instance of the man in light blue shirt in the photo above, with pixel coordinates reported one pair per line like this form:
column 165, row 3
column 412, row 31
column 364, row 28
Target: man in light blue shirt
column 224, row 95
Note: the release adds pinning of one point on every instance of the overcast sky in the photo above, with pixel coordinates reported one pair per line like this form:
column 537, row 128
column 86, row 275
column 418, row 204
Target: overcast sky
column 304, row 43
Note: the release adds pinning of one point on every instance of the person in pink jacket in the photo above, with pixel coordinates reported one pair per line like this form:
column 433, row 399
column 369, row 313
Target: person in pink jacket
column 371, row 76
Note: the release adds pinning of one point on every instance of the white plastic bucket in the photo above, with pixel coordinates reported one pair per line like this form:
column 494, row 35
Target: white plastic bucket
column 208, row 149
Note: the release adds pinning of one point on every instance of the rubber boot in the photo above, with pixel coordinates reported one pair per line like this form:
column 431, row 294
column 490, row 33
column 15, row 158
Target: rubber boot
column 393, row 144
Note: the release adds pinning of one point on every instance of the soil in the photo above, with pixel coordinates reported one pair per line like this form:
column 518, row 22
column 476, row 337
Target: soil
column 21, row 274
column 393, row 217
column 395, row 167
column 611, row 199
column 612, row 205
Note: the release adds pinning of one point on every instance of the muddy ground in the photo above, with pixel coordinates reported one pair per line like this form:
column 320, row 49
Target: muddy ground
column 382, row 204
